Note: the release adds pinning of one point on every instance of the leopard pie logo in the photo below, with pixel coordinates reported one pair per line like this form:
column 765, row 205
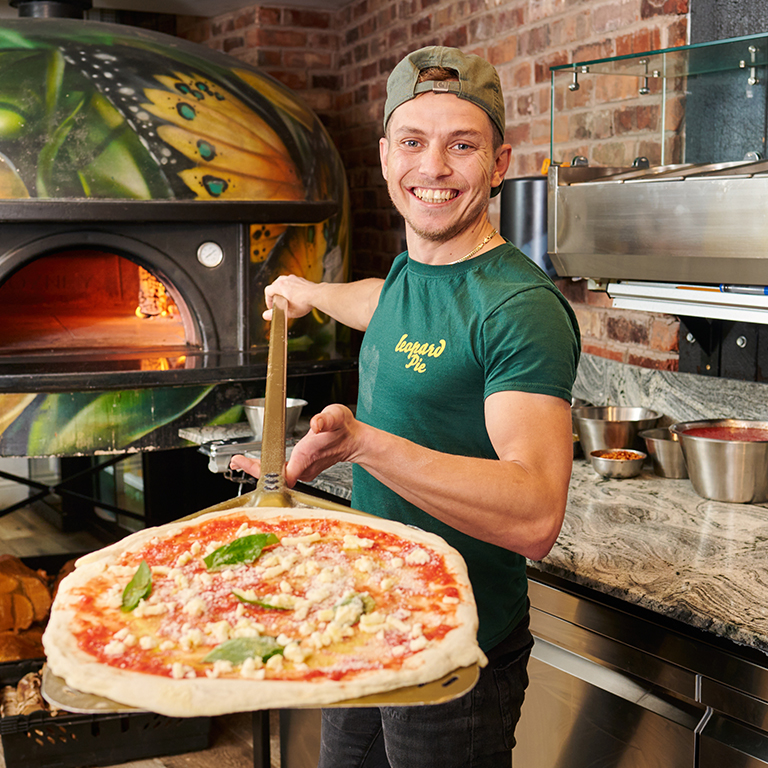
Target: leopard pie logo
column 417, row 352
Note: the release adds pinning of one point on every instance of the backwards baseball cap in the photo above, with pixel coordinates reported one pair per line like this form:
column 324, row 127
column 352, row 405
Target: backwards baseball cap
column 478, row 82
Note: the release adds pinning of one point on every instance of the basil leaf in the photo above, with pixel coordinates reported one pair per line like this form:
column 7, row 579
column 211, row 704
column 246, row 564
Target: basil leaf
column 246, row 549
column 140, row 586
column 349, row 610
column 244, row 598
column 241, row 648
column 368, row 603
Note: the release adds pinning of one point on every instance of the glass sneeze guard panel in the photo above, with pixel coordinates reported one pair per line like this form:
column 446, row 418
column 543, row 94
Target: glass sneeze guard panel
column 722, row 81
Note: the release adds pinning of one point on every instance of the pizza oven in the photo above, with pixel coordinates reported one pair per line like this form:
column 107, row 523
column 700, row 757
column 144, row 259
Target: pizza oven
column 149, row 189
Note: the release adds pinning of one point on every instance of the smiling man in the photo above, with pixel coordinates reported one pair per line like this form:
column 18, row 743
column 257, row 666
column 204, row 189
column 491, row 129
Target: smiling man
column 463, row 422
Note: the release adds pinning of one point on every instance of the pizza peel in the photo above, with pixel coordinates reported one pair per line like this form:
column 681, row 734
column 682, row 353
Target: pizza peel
column 271, row 491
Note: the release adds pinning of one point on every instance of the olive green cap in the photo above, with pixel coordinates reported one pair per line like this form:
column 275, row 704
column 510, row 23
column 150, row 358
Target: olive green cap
column 478, row 82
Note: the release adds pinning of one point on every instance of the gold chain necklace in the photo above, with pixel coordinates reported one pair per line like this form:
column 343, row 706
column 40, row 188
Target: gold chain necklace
column 474, row 250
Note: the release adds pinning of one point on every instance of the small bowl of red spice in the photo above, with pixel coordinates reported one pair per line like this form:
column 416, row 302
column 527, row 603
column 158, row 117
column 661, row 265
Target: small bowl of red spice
column 727, row 459
column 617, row 462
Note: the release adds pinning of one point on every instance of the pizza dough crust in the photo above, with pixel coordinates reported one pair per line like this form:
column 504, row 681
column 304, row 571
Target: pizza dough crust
column 204, row 696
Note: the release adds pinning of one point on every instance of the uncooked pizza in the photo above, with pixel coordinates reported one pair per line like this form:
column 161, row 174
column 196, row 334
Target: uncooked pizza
column 254, row 608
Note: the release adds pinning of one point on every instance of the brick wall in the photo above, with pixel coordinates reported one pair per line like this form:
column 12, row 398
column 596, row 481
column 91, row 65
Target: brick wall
column 339, row 61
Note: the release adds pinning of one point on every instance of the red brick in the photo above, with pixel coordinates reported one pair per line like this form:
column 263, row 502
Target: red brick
column 521, row 76
column 456, row 38
column 386, row 16
column 359, row 9
column 518, row 135
column 397, row 35
column 665, row 331
column 627, row 330
column 541, row 66
column 612, row 16
column 422, row 26
column 232, row 43
column 533, row 41
column 575, row 291
column 649, row 8
column 677, row 33
column 540, row 131
column 582, row 97
column 511, row 19
column 273, row 38
column 483, row 27
column 245, row 19
column 306, row 18
column 590, row 321
column 268, row 16
column 598, row 299
column 295, row 80
column 368, row 27
column 222, row 26
column 503, row 52
column 600, row 350
column 660, row 363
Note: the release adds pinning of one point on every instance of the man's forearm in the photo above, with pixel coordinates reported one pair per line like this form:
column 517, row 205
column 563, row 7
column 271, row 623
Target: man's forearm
column 503, row 502
column 352, row 304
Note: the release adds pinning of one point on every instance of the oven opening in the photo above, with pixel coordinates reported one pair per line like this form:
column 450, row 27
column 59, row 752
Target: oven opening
column 93, row 302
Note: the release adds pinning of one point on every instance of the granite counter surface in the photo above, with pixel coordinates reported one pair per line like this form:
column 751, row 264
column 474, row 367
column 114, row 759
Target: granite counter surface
column 654, row 542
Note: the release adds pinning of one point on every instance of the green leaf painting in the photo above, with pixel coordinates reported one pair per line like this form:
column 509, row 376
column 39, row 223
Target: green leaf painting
column 111, row 421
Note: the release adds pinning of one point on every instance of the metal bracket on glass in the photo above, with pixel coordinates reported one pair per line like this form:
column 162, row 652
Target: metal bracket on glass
column 644, row 88
column 753, row 79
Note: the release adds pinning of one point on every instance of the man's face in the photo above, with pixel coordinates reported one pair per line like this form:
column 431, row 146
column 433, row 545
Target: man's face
column 439, row 163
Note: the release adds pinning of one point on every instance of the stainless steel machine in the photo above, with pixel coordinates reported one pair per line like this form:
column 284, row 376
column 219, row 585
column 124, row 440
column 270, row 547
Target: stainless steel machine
column 616, row 685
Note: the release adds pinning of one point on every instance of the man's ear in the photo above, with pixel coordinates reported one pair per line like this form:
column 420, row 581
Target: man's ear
column 383, row 151
column 501, row 166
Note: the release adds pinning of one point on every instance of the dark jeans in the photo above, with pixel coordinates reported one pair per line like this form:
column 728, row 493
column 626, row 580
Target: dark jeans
column 473, row 731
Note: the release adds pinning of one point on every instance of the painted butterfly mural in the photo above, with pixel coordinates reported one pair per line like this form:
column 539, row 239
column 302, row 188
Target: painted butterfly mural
column 90, row 110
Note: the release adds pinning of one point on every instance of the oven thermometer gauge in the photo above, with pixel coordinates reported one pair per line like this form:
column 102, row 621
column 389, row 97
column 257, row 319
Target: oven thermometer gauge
column 210, row 254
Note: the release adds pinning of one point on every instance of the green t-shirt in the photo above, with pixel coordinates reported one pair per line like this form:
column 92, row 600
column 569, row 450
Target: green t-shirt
column 441, row 340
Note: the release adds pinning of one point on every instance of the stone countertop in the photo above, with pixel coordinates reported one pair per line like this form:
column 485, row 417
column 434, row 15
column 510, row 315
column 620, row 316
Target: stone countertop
column 654, row 542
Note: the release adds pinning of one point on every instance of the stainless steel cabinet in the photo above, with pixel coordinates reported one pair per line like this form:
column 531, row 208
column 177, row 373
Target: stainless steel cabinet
column 581, row 714
column 615, row 687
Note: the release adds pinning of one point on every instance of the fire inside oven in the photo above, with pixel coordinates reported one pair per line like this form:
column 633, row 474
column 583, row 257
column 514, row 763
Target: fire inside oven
column 90, row 300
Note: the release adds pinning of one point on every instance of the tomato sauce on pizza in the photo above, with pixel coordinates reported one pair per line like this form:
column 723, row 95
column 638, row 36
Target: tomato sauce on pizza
column 285, row 597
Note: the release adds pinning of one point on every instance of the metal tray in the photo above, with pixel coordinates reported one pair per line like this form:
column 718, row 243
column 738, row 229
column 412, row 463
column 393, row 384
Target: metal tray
column 61, row 696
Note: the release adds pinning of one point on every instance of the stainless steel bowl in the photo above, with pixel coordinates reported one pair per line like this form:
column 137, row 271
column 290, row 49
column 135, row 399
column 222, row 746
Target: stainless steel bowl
column 254, row 412
column 665, row 451
column 618, row 467
column 726, row 469
column 612, row 426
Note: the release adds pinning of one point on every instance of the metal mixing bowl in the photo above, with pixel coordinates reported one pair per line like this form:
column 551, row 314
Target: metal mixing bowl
column 665, row 451
column 254, row 412
column 612, row 426
column 726, row 470
column 617, row 467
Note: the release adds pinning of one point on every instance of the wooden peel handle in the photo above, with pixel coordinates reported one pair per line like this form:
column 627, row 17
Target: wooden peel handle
column 272, row 480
